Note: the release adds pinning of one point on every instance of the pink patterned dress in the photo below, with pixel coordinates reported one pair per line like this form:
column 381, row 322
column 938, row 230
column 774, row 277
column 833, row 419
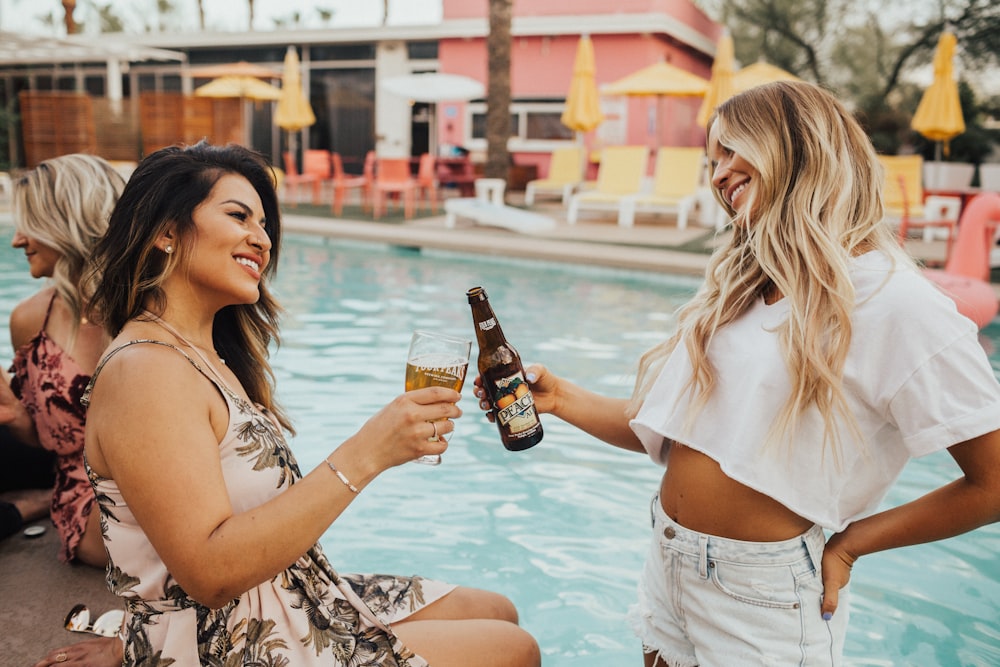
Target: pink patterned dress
column 307, row 615
column 50, row 383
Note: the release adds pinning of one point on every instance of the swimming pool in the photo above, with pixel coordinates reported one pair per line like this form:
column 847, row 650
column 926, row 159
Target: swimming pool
column 561, row 528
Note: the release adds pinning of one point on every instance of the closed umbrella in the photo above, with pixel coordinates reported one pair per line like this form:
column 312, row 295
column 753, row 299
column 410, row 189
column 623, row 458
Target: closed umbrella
column 720, row 85
column 583, row 107
column 939, row 114
column 293, row 112
column 758, row 74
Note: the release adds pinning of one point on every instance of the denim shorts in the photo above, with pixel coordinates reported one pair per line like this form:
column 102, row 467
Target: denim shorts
column 716, row 602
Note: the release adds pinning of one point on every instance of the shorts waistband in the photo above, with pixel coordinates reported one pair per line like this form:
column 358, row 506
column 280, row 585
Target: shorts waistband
column 694, row 543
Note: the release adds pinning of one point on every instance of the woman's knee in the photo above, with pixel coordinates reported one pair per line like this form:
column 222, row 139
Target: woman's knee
column 529, row 654
column 470, row 603
column 497, row 606
column 91, row 549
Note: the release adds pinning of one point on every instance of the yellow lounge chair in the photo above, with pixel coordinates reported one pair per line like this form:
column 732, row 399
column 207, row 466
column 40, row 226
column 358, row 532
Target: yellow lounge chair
column 565, row 174
column 619, row 179
column 676, row 178
column 903, row 197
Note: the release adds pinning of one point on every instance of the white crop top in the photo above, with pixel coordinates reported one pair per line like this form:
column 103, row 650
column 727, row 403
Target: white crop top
column 916, row 378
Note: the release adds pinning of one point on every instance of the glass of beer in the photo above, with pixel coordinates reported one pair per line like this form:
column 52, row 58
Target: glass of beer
column 436, row 360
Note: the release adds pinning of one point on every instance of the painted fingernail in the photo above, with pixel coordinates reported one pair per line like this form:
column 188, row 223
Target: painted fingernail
column 532, row 377
column 827, row 615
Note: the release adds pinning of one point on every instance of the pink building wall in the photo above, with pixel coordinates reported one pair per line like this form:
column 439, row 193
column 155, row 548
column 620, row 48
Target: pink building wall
column 542, row 66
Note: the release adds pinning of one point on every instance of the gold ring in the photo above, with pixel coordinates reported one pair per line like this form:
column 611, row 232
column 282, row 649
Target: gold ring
column 61, row 657
column 434, row 438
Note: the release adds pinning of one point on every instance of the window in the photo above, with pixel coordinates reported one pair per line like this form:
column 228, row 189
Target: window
column 479, row 125
column 534, row 124
column 422, row 50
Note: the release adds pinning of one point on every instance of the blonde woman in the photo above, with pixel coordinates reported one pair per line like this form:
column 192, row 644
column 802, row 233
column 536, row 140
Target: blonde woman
column 210, row 526
column 804, row 374
column 61, row 209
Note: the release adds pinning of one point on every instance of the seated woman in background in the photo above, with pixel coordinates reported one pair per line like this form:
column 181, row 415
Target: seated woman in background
column 210, row 527
column 27, row 474
column 61, row 209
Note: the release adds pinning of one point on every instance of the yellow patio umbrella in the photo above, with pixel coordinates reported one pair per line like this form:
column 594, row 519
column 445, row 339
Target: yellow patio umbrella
column 658, row 80
column 720, row 86
column 241, row 68
column 583, row 106
column 246, row 87
column 758, row 74
column 293, row 112
column 939, row 114
column 243, row 88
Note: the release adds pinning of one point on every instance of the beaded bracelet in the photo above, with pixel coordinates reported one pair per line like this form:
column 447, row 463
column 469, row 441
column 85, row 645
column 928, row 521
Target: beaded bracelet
column 342, row 477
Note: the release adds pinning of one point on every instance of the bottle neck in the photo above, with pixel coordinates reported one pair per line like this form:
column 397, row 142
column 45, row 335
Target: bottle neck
column 488, row 331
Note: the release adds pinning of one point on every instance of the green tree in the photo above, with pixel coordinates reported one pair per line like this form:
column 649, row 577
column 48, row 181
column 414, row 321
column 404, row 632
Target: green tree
column 864, row 54
column 498, row 89
column 109, row 21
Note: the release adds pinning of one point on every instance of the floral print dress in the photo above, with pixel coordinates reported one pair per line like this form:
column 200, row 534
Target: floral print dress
column 49, row 383
column 306, row 615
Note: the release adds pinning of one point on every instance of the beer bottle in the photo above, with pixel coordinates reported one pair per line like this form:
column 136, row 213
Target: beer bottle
column 503, row 378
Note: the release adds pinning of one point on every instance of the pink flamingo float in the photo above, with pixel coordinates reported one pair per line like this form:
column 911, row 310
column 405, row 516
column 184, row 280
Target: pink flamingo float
column 966, row 274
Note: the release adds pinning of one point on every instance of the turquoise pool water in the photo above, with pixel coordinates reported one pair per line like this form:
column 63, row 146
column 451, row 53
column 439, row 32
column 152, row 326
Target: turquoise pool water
column 561, row 528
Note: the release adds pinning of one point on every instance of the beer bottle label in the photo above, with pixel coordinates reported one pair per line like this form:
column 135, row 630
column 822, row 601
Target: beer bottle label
column 486, row 325
column 514, row 403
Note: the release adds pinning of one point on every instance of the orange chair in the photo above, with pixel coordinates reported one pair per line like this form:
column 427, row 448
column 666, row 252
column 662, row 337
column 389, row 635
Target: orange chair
column 342, row 182
column 427, row 184
column 317, row 161
column 392, row 178
column 293, row 179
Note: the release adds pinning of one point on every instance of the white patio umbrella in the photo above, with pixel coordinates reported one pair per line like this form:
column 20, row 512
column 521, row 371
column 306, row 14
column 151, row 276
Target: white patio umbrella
column 434, row 87
column 431, row 88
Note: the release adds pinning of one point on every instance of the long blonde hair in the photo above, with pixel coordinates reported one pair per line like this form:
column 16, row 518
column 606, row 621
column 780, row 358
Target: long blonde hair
column 816, row 202
column 64, row 203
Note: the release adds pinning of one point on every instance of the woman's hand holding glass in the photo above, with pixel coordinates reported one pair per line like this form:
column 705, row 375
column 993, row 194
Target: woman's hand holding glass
column 437, row 360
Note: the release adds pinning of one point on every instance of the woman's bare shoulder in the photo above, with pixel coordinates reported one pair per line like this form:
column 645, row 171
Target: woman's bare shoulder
column 28, row 316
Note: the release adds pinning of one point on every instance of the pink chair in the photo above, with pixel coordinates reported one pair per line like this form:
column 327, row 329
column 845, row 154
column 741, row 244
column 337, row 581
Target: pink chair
column 293, row 179
column 393, row 179
column 427, row 183
column 317, row 161
column 343, row 182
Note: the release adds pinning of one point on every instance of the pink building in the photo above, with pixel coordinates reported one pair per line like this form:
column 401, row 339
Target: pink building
column 344, row 69
column 627, row 35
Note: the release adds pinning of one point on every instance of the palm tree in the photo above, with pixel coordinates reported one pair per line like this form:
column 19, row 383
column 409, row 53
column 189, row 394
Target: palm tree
column 68, row 8
column 498, row 90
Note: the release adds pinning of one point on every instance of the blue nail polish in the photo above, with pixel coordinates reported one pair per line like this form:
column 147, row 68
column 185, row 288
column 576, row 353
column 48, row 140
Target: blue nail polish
column 827, row 615
column 532, row 377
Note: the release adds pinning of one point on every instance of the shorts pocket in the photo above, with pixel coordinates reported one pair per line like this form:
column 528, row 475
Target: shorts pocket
column 769, row 586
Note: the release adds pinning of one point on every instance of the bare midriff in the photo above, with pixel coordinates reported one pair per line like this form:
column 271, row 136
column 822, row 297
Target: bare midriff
column 698, row 495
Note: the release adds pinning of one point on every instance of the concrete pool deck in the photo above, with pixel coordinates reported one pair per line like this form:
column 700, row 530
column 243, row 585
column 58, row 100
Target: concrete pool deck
column 653, row 244
column 36, row 591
